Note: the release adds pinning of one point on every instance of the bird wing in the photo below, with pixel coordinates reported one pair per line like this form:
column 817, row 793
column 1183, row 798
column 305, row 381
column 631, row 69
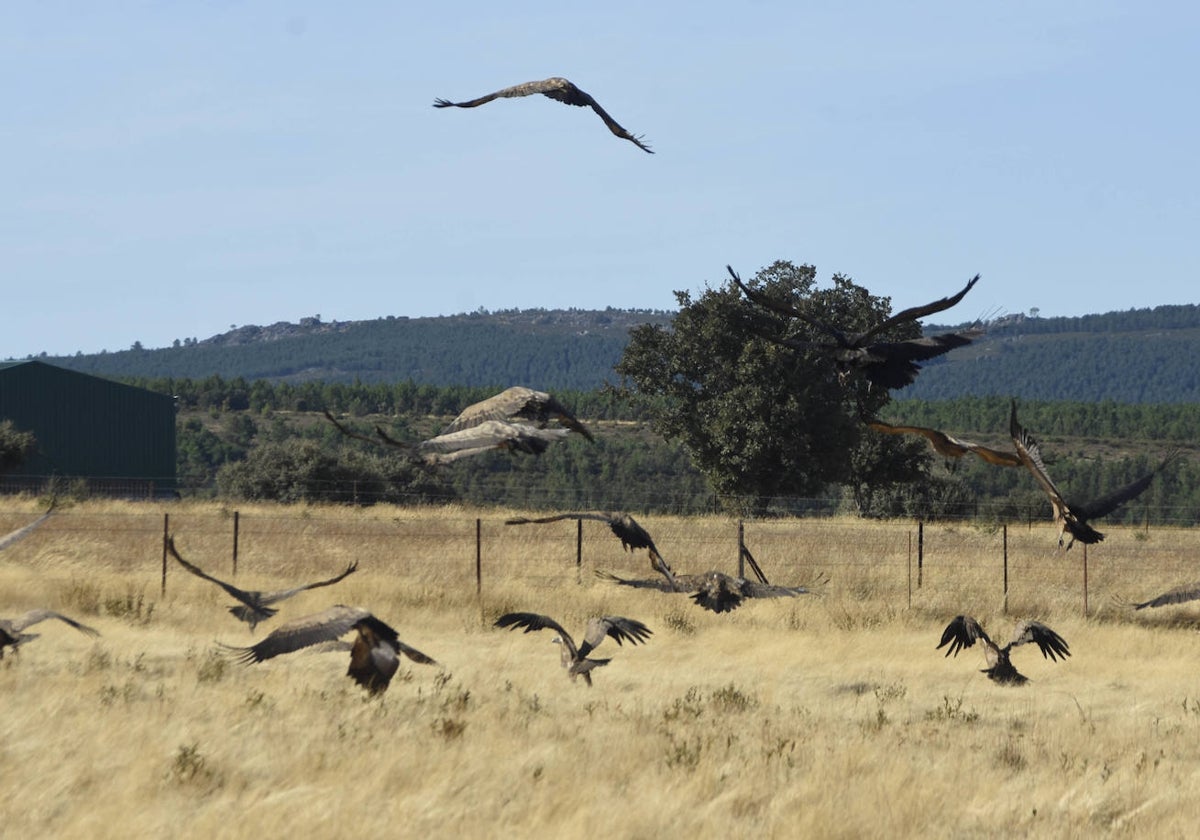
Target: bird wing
column 942, row 443
column 246, row 598
column 35, row 616
column 661, row 584
column 518, row 402
column 915, row 312
column 523, row 89
column 308, row 630
column 348, row 432
column 962, row 632
column 24, row 531
column 558, row 517
column 1108, row 503
column 534, row 621
column 767, row 302
column 493, row 434
column 1031, row 456
column 1049, row 642
column 272, row 597
column 754, row 589
column 1179, row 595
column 620, row 628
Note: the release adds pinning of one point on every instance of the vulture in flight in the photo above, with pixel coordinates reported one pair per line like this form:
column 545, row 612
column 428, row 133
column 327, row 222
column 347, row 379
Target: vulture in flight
column 948, row 445
column 1179, row 595
column 374, row 656
column 575, row 659
column 556, row 88
column 518, row 403
column 964, row 631
column 255, row 606
column 475, row 440
column 714, row 591
column 886, row 364
column 10, row 628
column 1072, row 517
column 628, row 531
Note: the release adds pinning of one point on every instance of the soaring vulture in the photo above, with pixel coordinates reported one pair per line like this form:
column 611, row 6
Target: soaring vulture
column 518, row 403
column 374, row 656
column 483, row 437
column 714, row 591
column 10, row 628
column 558, row 89
column 963, row 631
column 628, row 531
column 1179, row 595
column 255, row 606
column 21, row 533
column 948, row 445
column 886, row 364
column 575, row 659
column 1072, row 517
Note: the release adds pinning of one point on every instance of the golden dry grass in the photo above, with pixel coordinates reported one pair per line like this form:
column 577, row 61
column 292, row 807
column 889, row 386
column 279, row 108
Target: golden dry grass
column 829, row 716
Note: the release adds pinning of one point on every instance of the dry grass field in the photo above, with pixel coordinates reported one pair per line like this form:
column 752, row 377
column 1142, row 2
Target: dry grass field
column 823, row 716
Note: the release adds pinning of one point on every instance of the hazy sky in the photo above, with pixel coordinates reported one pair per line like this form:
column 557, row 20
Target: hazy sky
column 171, row 168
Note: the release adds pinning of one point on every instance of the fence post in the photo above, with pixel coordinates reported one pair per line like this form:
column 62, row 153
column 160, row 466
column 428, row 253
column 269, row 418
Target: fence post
column 1005, row 609
column 579, row 551
column 920, row 552
column 1085, row 581
column 478, row 557
column 741, row 537
column 236, row 518
column 166, row 533
column 910, row 570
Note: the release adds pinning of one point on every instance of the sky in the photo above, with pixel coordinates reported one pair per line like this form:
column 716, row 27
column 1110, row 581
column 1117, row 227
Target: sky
column 172, row 169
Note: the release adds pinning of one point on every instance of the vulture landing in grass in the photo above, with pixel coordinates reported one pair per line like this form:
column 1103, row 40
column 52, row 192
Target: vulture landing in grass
column 885, row 364
column 1072, row 517
column 255, row 606
column 575, row 659
column 714, row 591
column 10, row 628
column 558, row 89
column 947, row 445
column 628, row 531
column 964, row 631
column 374, row 656
column 518, row 403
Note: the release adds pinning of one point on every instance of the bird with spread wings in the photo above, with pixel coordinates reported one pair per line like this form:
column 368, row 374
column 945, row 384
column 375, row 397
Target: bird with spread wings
column 374, row 655
column 1071, row 517
column 255, row 605
column 886, row 364
column 575, row 659
column 963, row 631
column 714, row 591
column 558, row 89
column 10, row 628
column 518, row 403
column 946, row 444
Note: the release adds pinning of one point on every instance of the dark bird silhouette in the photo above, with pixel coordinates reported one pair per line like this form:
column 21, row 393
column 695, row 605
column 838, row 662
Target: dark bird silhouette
column 1073, row 517
column 374, row 656
column 518, row 403
column 886, row 364
column 714, row 591
column 558, row 89
column 963, row 631
column 255, row 606
column 628, row 531
column 575, row 659
column 10, row 628
column 947, row 445
column 1179, row 595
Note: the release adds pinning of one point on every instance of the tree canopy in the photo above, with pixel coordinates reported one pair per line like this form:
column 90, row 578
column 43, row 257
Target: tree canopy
column 15, row 446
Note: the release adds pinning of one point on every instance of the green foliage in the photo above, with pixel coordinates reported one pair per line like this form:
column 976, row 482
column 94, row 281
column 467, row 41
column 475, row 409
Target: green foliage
column 761, row 421
column 15, row 446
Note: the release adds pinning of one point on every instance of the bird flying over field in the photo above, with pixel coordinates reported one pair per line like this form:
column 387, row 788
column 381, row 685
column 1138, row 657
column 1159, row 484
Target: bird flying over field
column 714, row 591
column 1178, row 595
column 575, row 659
column 963, row 631
column 1073, row 517
column 374, row 656
column 628, row 531
column 21, row 533
column 255, row 606
column 10, row 628
column 518, row 403
column 886, row 364
column 947, row 445
column 558, row 89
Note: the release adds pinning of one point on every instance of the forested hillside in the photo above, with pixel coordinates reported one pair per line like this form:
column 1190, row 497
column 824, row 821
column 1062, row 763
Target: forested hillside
column 1140, row 356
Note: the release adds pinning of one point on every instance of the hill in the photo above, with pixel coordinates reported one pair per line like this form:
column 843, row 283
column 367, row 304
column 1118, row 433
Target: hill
column 1139, row 356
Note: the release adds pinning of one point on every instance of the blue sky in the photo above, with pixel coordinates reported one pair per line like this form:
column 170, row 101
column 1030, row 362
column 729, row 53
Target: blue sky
column 174, row 168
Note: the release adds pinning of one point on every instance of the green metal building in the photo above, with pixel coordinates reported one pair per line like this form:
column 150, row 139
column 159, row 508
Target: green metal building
column 118, row 438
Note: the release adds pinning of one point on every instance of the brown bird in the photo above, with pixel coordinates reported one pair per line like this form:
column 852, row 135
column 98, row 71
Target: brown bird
column 575, row 659
column 1072, row 517
column 374, row 656
column 948, row 445
column 10, row 628
column 518, row 403
column 1179, row 595
column 963, row 631
column 628, row 531
column 558, row 89
column 255, row 606
column 886, row 364
column 714, row 591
